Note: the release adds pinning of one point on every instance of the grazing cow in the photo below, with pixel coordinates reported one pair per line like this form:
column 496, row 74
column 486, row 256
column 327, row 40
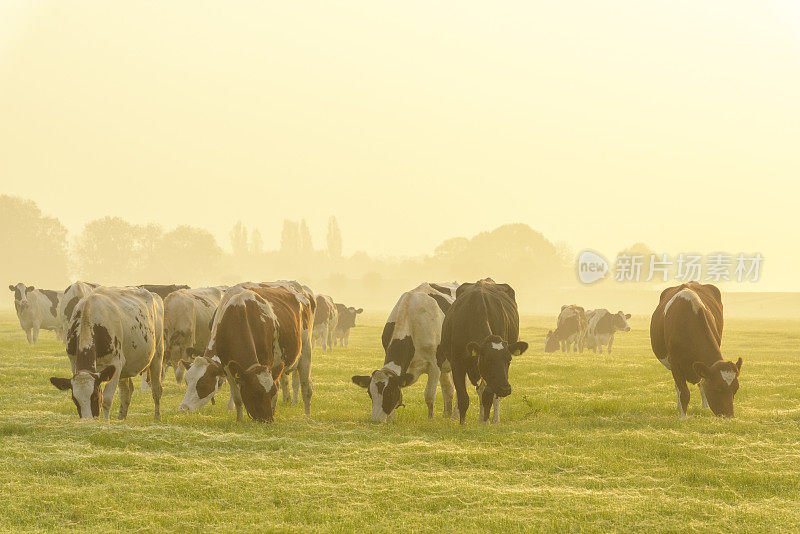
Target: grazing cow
column 162, row 290
column 410, row 339
column 346, row 321
column 36, row 309
column 685, row 333
column 72, row 295
column 570, row 330
column 187, row 330
column 480, row 333
column 256, row 335
column 115, row 333
column 325, row 319
column 602, row 326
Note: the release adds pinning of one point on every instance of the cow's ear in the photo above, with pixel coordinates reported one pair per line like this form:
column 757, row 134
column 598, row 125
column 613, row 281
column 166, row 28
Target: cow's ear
column 235, row 370
column 61, row 383
column 276, row 370
column 29, row 289
column 107, row 373
column 518, row 348
column 406, row 379
column 361, row 380
column 701, row 369
column 627, row 315
column 739, row 365
column 10, row 287
column 360, row 310
column 473, row 349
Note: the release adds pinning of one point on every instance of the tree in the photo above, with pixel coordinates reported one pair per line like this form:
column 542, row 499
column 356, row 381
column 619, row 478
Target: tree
column 256, row 242
column 34, row 247
column 188, row 255
column 290, row 237
column 105, row 251
column 238, row 237
column 305, row 244
column 334, row 238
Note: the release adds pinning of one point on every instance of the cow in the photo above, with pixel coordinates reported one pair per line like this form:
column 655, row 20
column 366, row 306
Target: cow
column 255, row 337
column 325, row 319
column 346, row 320
column 480, row 334
column 410, row 338
column 72, row 295
column 187, row 325
column 602, row 326
column 685, row 334
column 114, row 334
column 570, row 330
column 37, row 309
column 162, row 290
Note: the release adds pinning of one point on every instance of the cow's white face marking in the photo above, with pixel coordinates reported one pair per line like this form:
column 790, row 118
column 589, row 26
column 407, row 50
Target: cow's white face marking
column 191, row 400
column 82, row 390
column 728, row 376
column 265, row 379
column 393, row 367
column 497, row 346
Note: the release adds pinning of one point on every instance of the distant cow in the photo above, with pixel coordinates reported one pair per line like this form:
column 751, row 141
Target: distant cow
column 187, row 329
column 325, row 319
column 602, row 326
column 685, row 333
column 480, row 334
column 162, row 290
column 346, row 320
column 256, row 335
column 115, row 333
column 72, row 295
column 570, row 330
column 36, row 309
column 410, row 339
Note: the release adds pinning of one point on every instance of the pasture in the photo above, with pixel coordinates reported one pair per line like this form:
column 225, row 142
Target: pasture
column 603, row 450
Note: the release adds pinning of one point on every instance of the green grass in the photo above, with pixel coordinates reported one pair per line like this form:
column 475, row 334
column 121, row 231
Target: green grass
column 605, row 450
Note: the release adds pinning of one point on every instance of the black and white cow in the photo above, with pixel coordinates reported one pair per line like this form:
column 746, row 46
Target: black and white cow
column 115, row 333
column 480, row 334
column 602, row 326
column 72, row 295
column 410, row 339
column 37, row 309
column 345, row 321
column 326, row 317
column 187, row 325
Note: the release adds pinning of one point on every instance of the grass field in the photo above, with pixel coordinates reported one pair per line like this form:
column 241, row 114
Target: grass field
column 605, row 449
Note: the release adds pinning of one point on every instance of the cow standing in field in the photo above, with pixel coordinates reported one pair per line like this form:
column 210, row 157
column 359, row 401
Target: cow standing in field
column 602, row 326
column 480, row 334
column 115, row 333
column 325, row 319
column 410, row 339
column 256, row 335
column 72, row 295
column 37, row 309
column 686, row 333
column 187, row 325
column 570, row 331
column 346, row 320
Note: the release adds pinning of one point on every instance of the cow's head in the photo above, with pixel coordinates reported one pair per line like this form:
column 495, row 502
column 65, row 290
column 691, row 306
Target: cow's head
column 85, row 388
column 383, row 387
column 551, row 343
column 258, row 385
column 493, row 356
column 720, row 383
column 621, row 321
column 347, row 317
column 201, row 382
column 21, row 295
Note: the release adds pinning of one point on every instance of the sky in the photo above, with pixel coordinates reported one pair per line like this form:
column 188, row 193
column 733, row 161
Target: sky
column 600, row 124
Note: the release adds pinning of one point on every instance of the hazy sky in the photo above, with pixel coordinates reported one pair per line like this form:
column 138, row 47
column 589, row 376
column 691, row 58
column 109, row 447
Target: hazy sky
column 600, row 124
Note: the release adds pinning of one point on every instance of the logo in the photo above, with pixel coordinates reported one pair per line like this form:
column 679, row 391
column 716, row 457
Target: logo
column 591, row 267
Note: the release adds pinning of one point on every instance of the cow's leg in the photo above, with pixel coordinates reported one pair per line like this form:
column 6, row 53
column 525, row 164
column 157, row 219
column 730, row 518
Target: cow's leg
column 145, row 382
column 304, row 370
column 703, row 394
column 430, row 387
column 496, row 409
column 487, row 400
column 682, row 391
column 28, row 335
column 109, row 390
column 448, row 390
column 459, row 381
column 236, row 395
column 155, row 382
column 35, row 334
column 287, row 396
column 610, row 342
column 295, row 387
column 125, row 391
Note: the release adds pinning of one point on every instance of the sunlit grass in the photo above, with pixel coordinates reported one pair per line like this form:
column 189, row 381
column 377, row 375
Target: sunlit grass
column 604, row 450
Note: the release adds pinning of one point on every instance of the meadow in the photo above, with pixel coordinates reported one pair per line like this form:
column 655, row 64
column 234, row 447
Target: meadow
column 602, row 449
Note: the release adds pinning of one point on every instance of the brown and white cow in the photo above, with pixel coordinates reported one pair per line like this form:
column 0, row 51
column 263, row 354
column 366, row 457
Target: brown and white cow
column 187, row 325
column 72, row 295
column 326, row 317
column 114, row 334
column 255, row 336
column 570, row 331
column 686, row 333
column 37, row 309
column 346, row 320
column 602, row 326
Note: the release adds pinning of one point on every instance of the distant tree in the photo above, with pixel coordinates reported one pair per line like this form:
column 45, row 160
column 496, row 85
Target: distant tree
column 334, row 238
column 449, row 247
column 190, row 255
column 305, row 245
column 105, row 251
column 290, row 238
column 34, row 247
column 238, row 237
column 256, row 242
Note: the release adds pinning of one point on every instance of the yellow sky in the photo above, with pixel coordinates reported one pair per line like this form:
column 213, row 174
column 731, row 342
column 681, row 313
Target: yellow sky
column 676, row 123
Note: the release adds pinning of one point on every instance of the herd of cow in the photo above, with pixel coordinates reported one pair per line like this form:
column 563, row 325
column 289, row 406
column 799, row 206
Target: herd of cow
column 254, row 335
